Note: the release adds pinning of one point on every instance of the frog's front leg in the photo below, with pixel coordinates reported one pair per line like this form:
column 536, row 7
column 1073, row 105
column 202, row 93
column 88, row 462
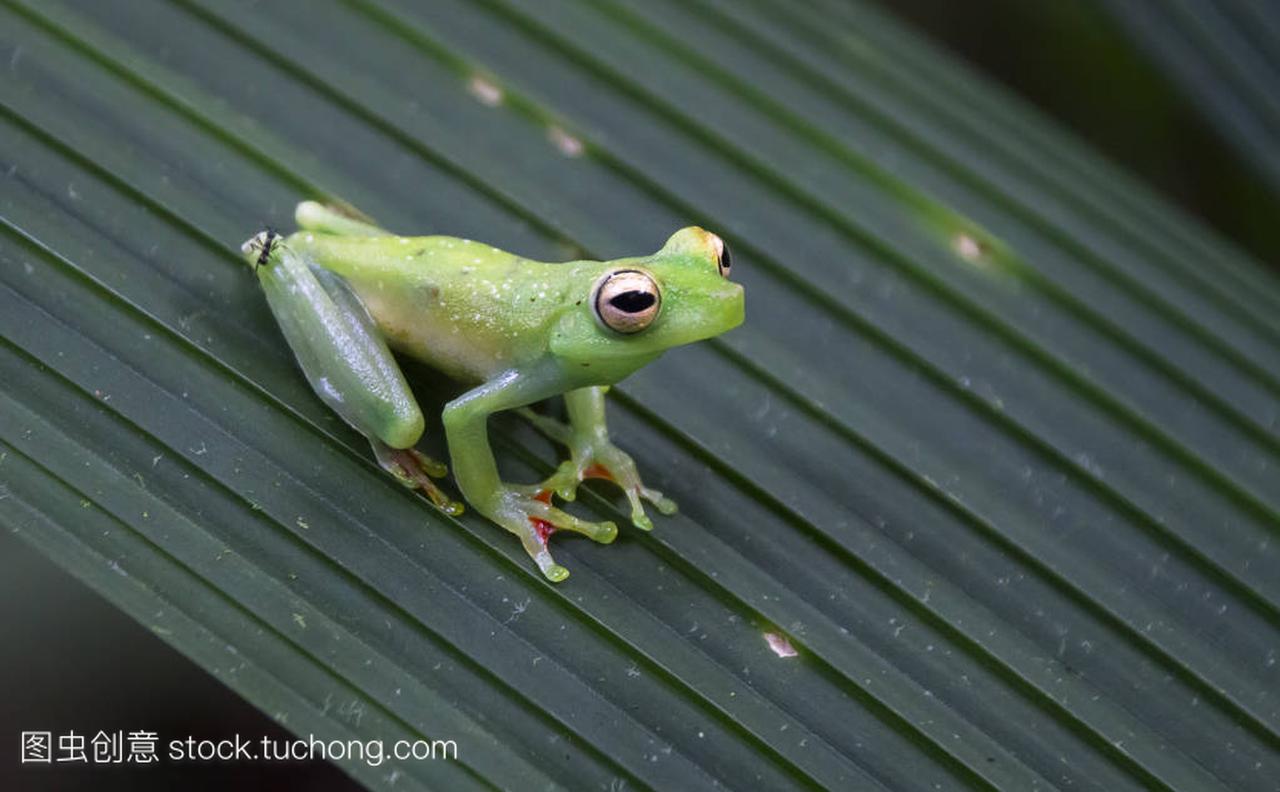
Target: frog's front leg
column 516, row 508
column 593, row 455
column 346, row 361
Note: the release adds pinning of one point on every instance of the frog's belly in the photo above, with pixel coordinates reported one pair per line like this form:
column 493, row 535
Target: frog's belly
column 467, row 348
column 456, row 356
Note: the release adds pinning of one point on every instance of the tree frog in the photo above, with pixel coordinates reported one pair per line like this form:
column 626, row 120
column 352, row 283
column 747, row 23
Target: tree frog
column 345, row 292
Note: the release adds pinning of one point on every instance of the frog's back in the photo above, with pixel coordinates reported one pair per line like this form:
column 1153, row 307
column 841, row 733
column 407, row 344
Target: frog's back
column 393, row 256
column 464, row 307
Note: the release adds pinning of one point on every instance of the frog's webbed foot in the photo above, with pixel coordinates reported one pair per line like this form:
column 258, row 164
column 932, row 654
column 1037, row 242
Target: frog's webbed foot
column 415, row 470
column 534, row 520
column 593, row 456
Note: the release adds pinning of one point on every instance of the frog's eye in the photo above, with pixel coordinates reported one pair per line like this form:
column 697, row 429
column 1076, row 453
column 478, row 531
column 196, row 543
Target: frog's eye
column 723, row 259
column 627, row 300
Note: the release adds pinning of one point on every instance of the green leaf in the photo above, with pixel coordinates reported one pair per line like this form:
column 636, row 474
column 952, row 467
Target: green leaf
column 996, row 450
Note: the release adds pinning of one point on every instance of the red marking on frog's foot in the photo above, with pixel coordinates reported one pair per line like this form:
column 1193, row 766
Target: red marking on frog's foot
column 544, row 528
column 598, row 472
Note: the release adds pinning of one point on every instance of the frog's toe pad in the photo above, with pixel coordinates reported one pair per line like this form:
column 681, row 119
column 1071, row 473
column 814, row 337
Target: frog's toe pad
column 606, row 533
column 546, row 564
column 664, row 504
column 427, row 465
column 555, row 573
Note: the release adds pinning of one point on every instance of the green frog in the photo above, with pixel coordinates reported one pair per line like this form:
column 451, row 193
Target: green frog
column 345, row 293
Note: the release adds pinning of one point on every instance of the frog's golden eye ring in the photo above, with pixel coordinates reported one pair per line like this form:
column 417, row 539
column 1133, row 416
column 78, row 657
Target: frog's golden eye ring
column 627, row 301
column 723, row 259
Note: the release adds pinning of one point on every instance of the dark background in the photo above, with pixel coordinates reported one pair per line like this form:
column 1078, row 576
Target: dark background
column 1071, row 60
column 84, row 666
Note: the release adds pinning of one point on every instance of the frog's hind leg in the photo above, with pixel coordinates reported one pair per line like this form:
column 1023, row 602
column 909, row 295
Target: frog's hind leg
column 414, row 469
column 337, row 219
column 347, row 362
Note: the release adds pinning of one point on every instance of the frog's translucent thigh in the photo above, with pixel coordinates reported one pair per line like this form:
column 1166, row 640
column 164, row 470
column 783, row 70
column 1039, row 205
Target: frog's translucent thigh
column 340, row 351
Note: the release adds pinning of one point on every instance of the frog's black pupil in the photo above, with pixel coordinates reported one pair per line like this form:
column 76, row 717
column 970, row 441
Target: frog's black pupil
column 633, row 301
column 726, row 260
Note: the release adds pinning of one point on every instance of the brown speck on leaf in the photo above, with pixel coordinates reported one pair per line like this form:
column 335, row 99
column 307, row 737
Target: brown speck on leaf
column 967, row 248
column 780, row 645
column 489, row 94
column 569, row 145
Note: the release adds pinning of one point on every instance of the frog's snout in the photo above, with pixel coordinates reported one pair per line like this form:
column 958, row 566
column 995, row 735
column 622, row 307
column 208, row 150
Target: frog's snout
column 721, row 310
column 725, row 309
column 734, row 298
